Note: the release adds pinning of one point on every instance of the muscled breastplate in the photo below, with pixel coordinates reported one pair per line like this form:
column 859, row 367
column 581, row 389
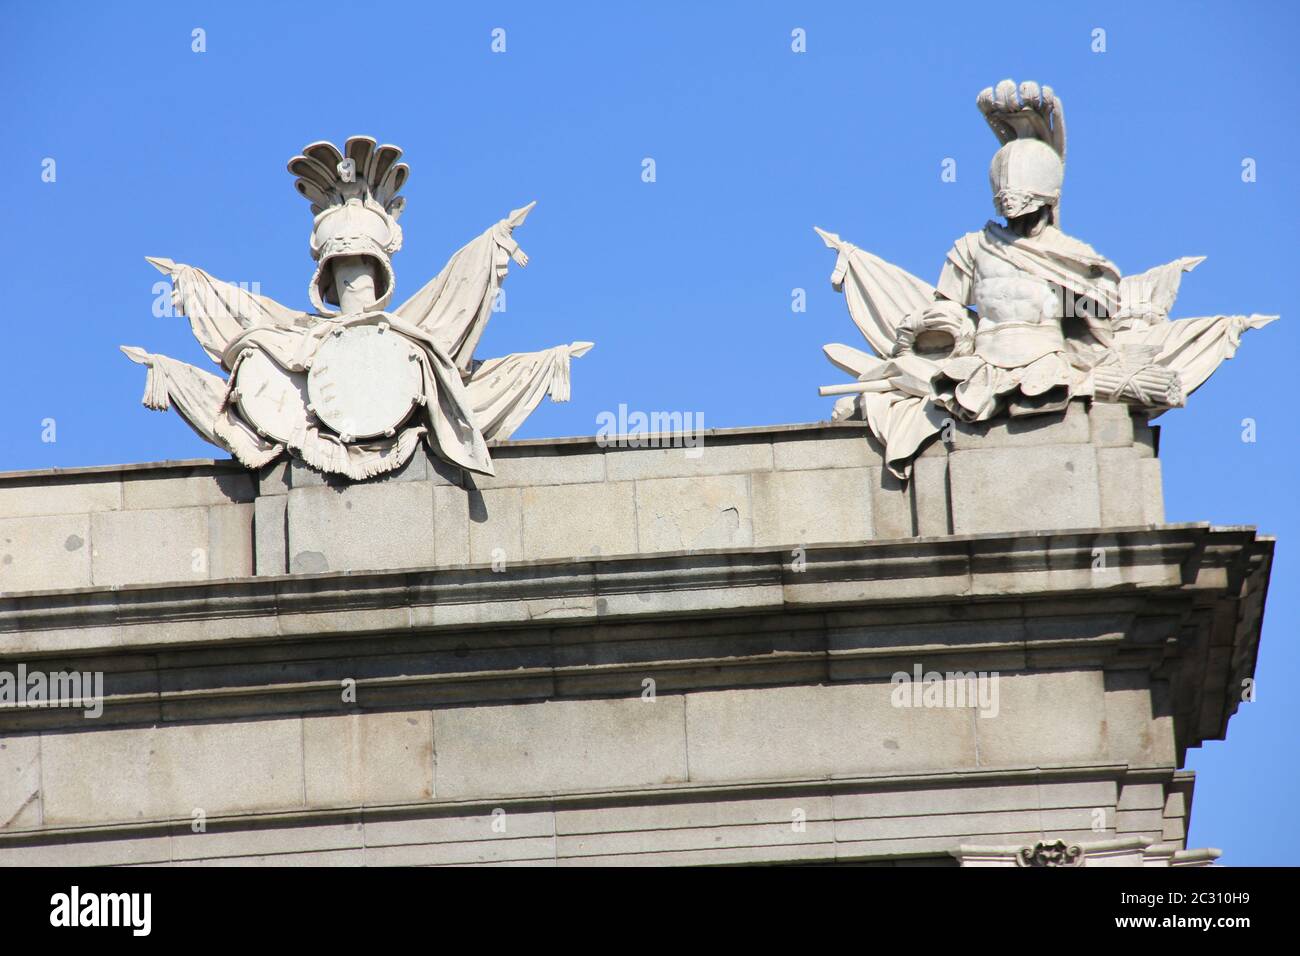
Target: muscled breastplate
column 1018, row 314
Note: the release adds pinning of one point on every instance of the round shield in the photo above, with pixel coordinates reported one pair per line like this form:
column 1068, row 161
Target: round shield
column 364, row 381
column 273, row 399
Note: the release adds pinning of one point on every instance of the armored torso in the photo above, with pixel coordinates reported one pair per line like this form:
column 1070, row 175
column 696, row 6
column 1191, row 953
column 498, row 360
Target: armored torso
column 1019, row 314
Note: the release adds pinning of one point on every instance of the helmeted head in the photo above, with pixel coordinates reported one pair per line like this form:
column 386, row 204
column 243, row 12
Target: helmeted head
column 356, row 228
column 354, row 198
column 1025, row 175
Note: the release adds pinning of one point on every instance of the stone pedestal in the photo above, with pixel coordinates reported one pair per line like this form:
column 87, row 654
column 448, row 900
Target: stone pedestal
column 764, row 649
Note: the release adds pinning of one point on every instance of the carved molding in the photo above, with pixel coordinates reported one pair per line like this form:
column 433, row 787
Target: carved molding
column 1058, row 853
column 1121, row 851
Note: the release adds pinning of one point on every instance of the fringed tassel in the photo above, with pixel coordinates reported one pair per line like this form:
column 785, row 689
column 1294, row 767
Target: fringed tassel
column 559, row 389
column 157, row 395
column 330, row 457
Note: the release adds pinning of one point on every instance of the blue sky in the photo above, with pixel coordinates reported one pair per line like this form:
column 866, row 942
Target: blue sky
column 685, row 283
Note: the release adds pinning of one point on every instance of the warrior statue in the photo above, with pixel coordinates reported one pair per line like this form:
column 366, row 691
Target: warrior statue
column 1053, row 320
column 351, row 388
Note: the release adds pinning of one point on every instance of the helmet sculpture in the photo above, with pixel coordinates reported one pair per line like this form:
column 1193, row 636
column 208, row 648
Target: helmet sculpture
column 354, row 198
column 1025, row 175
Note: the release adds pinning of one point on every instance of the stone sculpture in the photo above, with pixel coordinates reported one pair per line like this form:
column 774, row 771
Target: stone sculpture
column 352, row 387
column 1024, row 318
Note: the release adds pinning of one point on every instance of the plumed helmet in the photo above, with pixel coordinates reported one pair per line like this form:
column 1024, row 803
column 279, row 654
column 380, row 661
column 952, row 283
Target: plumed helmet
column 353, row 193
column 1025, row 175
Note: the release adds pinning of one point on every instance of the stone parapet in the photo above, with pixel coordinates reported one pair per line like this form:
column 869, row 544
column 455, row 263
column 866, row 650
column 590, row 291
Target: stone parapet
column 575, row 498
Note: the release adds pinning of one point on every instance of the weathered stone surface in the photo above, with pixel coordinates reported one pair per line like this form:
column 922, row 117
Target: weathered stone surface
column 273, row 479
column 1059, row 428
column 22, row 498
column 1146, row 437
column 1176, row 809
column 20, row 781
column 44, row 552
column 1024, row 489
column 891, row 505
column 1174, row 830
column 787, row 732
column 1144, row 822
column 496, row 526
column 866, row 641
column 931, row 508
column 817, row 503
column 302, row 475
column 527, row 684
column 451, row 526
column 807, row 507
column 780, row 810
column 535, row 466
column 332, row 858
column 811, row 852
column 304, row 845
column 622, row 464
column 230, row 541
column 954, row 826
column 685, row 514
column 138, row 852
column 151, row 773
column 954, row 800
column 866, row 818
column 270, row 534
column 561, row 521
column 1045, row 717
column 380, row 525
column 1176, row 804
column 368, row 759
column 1153, row 494
column 1139, row 728
column 558, row 746
column 1120, row 477
column 744, row 839
column 811, row 452
column 1141, row 796
column 147, row 546
column 155, row 491
column 1111, row 425
column 501, row 824
column 513, row 852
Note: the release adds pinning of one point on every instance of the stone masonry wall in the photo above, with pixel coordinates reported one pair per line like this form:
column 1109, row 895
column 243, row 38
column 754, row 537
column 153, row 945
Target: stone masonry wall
column 572, row 498
column 227, row 609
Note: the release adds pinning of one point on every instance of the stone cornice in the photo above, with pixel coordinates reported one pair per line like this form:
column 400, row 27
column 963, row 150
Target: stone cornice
column 1167, row 599
column 962, row 567
column 579, row 799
